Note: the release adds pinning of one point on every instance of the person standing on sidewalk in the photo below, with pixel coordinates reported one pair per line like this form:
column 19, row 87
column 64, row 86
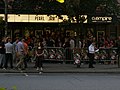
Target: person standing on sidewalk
column 9, row 53
column 2, row 53
column 14, row 50
column 91, row 52
column 39, row 56
column 66, row 45
column 72, row 47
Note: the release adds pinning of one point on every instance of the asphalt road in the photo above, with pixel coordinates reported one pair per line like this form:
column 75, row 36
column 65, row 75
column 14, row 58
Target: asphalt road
column 60, row 81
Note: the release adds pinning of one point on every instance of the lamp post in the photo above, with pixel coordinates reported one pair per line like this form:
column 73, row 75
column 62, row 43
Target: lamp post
column 6, row 17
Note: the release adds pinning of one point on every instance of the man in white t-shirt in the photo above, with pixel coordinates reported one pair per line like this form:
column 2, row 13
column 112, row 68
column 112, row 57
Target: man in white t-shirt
column 91, row 52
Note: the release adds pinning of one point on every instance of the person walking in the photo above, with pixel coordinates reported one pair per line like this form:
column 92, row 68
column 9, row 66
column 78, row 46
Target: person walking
column 20, row 54
column 9, row 53
column 2, row 54
column 39, row 56
column 26, row 53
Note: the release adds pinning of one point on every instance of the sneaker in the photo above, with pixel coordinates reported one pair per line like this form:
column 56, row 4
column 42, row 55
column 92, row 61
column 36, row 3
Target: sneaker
column 4, row 68
column 37, row 69
column 40, row 72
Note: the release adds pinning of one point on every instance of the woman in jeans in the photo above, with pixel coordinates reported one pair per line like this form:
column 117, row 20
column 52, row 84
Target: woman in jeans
column 39, row 56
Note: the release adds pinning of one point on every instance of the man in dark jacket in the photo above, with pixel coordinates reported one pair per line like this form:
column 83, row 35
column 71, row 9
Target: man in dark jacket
column 2, row 54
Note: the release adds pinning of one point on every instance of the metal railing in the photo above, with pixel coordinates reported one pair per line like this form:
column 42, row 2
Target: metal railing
column 68, row 54
column 104, row 55
column 54, row 53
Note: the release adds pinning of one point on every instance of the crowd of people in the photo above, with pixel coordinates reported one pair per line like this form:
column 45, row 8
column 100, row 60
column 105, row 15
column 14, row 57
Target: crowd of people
column 16, row 52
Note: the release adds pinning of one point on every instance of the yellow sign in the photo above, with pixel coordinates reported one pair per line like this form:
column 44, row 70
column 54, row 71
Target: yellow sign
column 60, row 1
column 39, row 18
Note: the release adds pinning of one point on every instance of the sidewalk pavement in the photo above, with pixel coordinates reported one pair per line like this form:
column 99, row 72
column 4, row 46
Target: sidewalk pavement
column 67, row 68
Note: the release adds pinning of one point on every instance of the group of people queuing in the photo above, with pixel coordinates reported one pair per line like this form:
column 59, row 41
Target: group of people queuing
column 6, row 51
column 15, row 52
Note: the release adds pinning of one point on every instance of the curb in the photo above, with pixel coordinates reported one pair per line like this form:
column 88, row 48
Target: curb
column 65, row 71
column 59, row 68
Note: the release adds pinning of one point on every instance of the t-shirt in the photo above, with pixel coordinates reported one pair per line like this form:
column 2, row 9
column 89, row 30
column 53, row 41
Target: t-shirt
column 20, row 47
column 25, row 47
column 40, row 51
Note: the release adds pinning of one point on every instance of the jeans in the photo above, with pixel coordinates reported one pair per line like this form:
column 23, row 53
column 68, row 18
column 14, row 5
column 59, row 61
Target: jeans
column 21, row 61
column 2, row 60
column 9, row 59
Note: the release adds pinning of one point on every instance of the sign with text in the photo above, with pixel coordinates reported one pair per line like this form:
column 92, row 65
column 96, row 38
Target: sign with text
column 101, row 19
column 43, row 18
column 35, row 18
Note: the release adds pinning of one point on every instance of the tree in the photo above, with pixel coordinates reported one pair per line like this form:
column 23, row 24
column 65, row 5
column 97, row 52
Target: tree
column 2, row 22
column 91, row 7
column 60, row 1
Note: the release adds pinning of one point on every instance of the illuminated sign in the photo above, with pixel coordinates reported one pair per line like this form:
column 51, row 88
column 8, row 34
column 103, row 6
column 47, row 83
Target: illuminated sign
column 101, row 19
column 43, row 18
column 83, row 18
column 34, row 18
column 38, row 18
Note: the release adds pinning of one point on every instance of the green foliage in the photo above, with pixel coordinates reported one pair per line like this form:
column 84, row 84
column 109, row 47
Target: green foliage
column 70, row 7
column 1, row 23
column 91, row 7
column 3, row 88
column 1, row 19
column 13, row 88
